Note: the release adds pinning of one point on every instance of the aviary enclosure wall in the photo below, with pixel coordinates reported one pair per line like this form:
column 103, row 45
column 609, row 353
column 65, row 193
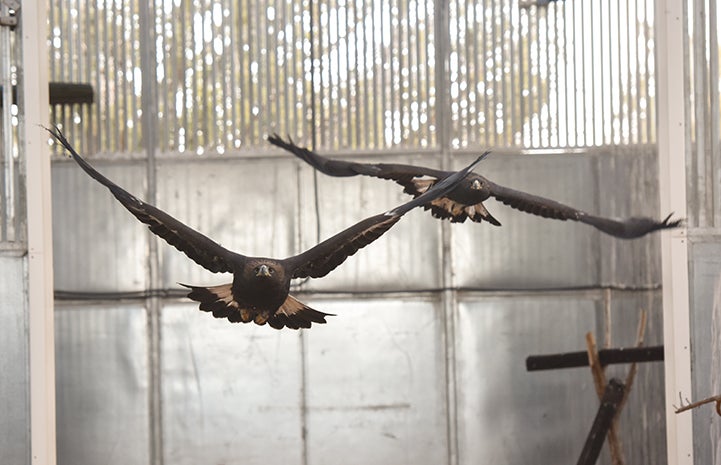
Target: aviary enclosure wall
column 424, row 362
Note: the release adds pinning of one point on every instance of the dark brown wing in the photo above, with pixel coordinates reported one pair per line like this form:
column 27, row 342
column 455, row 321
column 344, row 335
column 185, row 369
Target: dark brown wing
column 628, row 228
column 405, row 175
column 326, row 256
column 202, row 250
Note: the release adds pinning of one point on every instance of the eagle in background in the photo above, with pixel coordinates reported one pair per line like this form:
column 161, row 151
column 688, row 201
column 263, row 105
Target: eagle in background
column 260, row 288
column 465, row 201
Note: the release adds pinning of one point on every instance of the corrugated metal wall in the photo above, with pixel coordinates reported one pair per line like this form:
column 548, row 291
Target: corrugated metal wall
column 704, row 200
column 14, row 356
column 424, row 362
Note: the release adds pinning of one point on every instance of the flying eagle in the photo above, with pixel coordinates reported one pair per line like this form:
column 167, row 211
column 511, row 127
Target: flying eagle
column 260, row 287
column 466, row 200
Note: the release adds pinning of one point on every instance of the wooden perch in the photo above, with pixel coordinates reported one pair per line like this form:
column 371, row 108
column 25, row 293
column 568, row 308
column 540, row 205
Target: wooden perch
column 599, row 381
column 612, row 397
column 699, row 403
column 606, row 356
column 63, row 93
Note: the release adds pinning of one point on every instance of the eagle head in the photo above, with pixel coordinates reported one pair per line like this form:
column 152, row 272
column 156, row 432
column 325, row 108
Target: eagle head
column 476, row 185
column 263, row 271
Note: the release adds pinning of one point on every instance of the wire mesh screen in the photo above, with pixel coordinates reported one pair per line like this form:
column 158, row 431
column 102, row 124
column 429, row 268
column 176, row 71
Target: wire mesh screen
column 217, row 75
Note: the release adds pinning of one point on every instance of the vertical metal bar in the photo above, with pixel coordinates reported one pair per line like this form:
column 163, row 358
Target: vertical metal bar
column 384, row 85
column 583, row 134
column 539, row 82
column 556, row 75
column 575, row 79
column 494, row 73
column 205, row 102
column 483, row 73
column 118, row 87
column 349, row 82
column 91, row 63
column 467, row 44
column 650, row 107
column 246, row 77
column 99, row 80
column 700, row 92
column 233, row 50
column 599, row 84
column 416, row 72
column 395, row 67
column 8, row 232
column 335, row 131
column 431, row 82
column 617, row 126
column 674, row 244
column 632, row 53
column 715, row 117
column 287, row 109
column 547, row 74
column 629, row 77
column 33, row 100
column 512, row 115
column 522, row 41
column 323, row 85
column 560, row 27
column 448, row 298
column 640, row 75
column 363, row 18
column 153, row 304
column 215, row 118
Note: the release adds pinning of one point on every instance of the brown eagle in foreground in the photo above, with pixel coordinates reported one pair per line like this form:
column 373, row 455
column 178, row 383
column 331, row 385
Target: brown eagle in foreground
column 466, row 200
column 259, row 291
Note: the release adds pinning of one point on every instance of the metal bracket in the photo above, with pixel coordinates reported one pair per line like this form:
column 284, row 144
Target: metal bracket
column 10, row 19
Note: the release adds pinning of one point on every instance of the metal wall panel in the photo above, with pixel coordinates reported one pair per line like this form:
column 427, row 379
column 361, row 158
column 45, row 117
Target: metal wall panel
column 705, row 283
column 406, row 257
column 102, row 384
column 97, row 244
column 642, row 423
column 14, row 382
column 529, row 251
column 703, row 120
column 247, row 206
column 507, row 415
column 627, row 187
column 376, row 383
column 231, row 392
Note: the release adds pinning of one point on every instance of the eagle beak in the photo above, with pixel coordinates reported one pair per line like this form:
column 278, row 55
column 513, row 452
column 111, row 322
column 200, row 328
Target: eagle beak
column 476, row 186
column 263, row 271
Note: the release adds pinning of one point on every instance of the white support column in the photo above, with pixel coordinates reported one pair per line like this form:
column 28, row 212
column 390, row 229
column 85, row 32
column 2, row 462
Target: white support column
column 674, row 244
column 34, row 105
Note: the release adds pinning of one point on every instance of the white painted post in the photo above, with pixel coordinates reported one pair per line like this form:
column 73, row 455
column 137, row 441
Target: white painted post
column 34, row 108
column 674, row 244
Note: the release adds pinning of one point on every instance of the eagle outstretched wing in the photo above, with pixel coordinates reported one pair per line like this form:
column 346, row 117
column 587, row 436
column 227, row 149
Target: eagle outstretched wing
column 627, row 228
column 199, row 248
column 402, row 174
column 326, row 256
